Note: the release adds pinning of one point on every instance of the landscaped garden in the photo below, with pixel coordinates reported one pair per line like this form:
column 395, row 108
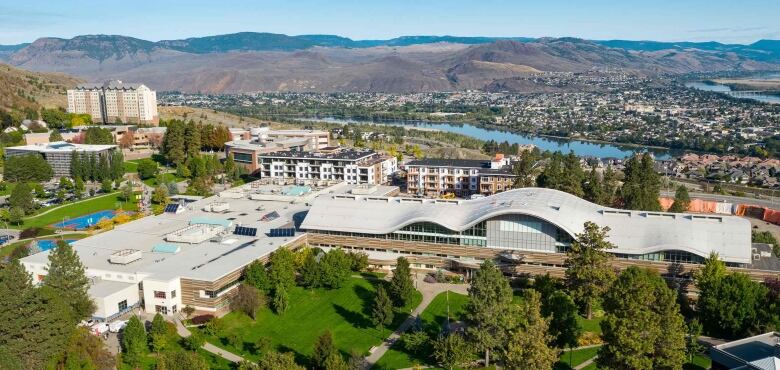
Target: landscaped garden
column 345, row 312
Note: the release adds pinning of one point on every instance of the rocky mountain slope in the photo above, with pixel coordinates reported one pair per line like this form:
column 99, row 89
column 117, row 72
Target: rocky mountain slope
column 247, row 62
column 23, row 90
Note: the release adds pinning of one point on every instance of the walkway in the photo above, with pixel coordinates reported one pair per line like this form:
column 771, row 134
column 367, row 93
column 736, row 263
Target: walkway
column 586, row 363
column 68, row 205
column 230, row 356
column 429, row 292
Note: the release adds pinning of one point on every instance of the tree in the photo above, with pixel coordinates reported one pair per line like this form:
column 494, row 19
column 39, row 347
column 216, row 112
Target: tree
column 414, row 341
column 134, row 341
column 160, row 194
column 526, row 169
column 593, row 189
column 147, row 168
column 247, row 300
column 98, row 136
column 487, row 313
column 230, row 167
column 257, row 275
column 642, row 326
column 527, row 346
column 106, row 186
column 733, row 306
column 450, row 350
column 692, row 346
column 34, row 322
column 194, row 341
column 281, row 300
column 681, row 200
column 174, row 360
column 358, row 261
column 85, row 350
column 310, row 271
column 382, row 310
column 642, row 185
column 27, row 168
column 173, row 143
column 159, row 326
column 67, row 277
column 562, row 313
column 588, row 273
column 78, row 187
column 281, row 268
column 16, row 216
column 127, row 140
column 401, row 285
column 335, row 268
column 261, row 345
column 65, row 183
column 22, row 197
column 609, row 186
column 323, row 348
column 275, row 361
column 193, row 139
column 127, row 192
column 357, row 361
column 55, row 136
column 335, row 362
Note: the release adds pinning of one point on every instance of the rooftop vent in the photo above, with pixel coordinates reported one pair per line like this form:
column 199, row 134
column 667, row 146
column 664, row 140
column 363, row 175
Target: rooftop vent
column 125, row 256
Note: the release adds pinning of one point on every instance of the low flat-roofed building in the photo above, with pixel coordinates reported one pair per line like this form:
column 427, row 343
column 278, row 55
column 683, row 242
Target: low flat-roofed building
column 461, row 177
column 58, row 154
column 529, row 228
column 760, row 352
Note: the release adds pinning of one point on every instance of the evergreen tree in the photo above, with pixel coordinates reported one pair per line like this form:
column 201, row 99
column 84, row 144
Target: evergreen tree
column 488, row 308
column 610, row 186
column 681, row 200
column 401, row 285
column 134, row 341
column 642, row 185
column 22, row 197
column 276, row 361
column 78, row 188
column 193, row 139
column 117, row 165
column 310, row 272
column 281, row 300
column 527, row 346
column 573, row 175
column 593, row 189
column 230, row 167
column 335, row 362
column 450, row 350
column 67, row 277
column 552, row 175
column 34, row 324
column 55, row 136
column 564, row 327
column 175, row 360
column 173, row 145
column 103, row 170
column 526, row 169
column 323, row 348
column 588, row 272
column 642, row 327
column 382, row 310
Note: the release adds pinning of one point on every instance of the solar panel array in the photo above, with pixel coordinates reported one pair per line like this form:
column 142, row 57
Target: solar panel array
column 281, row 232
column 172, row 208
column 247, row 231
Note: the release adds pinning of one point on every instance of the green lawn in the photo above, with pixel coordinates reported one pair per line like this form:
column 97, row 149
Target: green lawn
column 167, row 177
column 570, row 360
column 432, row 319
column 131, row 166
column 150, row 360
column 591, row 325
column 345, row 312
column 99, row 203
column 700, row 362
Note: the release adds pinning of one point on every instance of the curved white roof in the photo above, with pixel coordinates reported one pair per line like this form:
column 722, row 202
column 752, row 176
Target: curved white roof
column 633, row 232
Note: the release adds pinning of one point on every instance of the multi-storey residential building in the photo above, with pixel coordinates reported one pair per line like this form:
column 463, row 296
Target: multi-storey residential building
column 462, row 177
column 58, row 154
column 249, row 144
column 115, row 101
column 354, row 166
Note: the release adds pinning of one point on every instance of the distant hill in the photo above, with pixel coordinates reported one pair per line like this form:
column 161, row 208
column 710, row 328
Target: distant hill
column 20, row 89
column 252, row 61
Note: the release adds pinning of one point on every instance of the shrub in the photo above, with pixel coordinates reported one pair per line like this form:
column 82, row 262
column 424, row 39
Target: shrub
column 201, row 319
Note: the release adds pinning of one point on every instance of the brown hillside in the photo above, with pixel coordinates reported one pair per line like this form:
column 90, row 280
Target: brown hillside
column 20, row 89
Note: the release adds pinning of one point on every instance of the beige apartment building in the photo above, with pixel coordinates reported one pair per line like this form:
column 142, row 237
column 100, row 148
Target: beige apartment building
column 115, row 101
column 460, row 177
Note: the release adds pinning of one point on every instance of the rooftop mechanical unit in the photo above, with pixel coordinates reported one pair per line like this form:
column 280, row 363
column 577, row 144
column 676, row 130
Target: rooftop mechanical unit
column 125, row 256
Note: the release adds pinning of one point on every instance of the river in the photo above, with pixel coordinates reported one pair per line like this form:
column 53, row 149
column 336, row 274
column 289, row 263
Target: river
column 720, row 88
column 580, row 148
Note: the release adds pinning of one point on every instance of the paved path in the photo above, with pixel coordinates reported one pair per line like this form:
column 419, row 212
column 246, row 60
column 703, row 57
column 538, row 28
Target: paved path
column 184, row 332
column 585, row 364
column 429, row 291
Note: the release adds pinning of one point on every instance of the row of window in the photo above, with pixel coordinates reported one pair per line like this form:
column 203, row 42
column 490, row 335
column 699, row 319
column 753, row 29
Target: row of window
column 162, row 295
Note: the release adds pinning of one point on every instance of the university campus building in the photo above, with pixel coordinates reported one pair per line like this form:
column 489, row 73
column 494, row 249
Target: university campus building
column 194, row 253
column 528, row 230
column 115, row 100
column 461, row 177
column 328, row 165
column 59, row 153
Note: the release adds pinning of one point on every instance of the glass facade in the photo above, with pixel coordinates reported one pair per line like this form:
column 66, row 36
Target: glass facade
column 674, row 256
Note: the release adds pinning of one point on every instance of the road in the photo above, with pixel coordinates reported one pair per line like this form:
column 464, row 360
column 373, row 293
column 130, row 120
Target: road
column 766, row 202
column 429, row 292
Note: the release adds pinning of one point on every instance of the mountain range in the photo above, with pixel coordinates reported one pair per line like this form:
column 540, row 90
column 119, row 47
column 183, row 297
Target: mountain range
column 248, row 61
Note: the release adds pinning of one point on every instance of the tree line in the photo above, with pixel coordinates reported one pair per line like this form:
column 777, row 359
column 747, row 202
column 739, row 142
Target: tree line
column 97, row 167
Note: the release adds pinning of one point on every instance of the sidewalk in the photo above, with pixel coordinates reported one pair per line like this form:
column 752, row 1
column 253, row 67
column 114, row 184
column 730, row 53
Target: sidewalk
column 184, row 332
column 429, row 292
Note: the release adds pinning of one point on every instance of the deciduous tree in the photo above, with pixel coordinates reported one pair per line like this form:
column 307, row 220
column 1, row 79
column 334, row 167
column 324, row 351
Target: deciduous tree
column 134, row 342
column 451, row 350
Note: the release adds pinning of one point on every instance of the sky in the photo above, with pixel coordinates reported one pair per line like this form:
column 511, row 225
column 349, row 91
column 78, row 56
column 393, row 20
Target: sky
column 728, row 21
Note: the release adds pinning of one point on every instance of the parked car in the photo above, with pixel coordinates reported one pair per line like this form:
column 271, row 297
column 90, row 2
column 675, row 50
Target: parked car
column 100, row 328
column 117, row 325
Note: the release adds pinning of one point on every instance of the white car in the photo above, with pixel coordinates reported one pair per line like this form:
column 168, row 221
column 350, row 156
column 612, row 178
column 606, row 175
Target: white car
column 116, row 326
column 100, row 329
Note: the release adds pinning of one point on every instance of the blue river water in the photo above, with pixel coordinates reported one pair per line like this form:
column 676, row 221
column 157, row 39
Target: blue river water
column 581, row 148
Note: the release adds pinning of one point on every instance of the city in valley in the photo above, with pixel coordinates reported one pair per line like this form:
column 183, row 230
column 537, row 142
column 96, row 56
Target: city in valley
column 360, row 190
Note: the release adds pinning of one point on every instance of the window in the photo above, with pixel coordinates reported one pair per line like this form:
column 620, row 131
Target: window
column 161, row 309
column 173, row 294
column 173, row 309
column 122, row 305
column 159, row 294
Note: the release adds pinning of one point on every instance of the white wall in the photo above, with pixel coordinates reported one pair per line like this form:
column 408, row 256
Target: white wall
column 170, row 302
column 109, row 305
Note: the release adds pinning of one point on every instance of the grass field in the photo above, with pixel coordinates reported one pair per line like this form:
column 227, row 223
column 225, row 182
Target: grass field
column 110, row 201
column 131, row 166
column 432, row 319
column 150, row 360
column 591, row 325
column 167, row 177
column 569, row 360
column 345, row 312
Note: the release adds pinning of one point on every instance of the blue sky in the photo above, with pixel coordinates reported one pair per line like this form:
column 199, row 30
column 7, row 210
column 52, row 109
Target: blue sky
column 730, row 21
